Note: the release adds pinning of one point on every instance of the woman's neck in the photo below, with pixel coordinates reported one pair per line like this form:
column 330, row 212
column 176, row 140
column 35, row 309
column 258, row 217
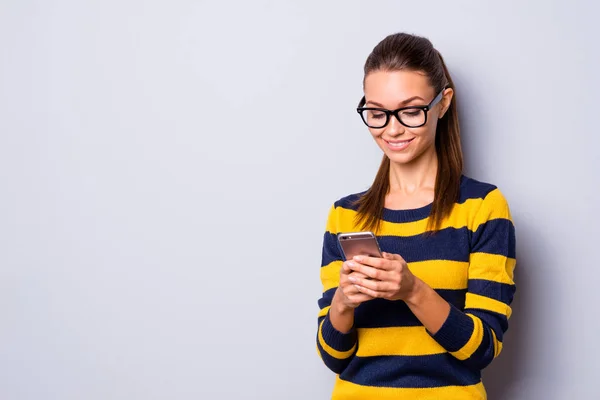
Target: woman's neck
column 420, row 174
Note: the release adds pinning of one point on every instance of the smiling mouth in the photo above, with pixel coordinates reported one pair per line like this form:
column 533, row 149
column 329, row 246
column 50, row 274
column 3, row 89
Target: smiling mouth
column 398, row 144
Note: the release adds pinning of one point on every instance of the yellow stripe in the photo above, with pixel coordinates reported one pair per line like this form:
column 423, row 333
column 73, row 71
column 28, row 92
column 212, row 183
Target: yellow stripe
column 330, row 275
column 345, row 390
column 460, row 214
column 472, row 213
column 474, row 341
column 332, row 220
column 323, row 312
column 330, row 350
column 441, row 274
column 396, row 341
column 497, row 344
column 476, row 301
column 492, row 267
column 494, row 207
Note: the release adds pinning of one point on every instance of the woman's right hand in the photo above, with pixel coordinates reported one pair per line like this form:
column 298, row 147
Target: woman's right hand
column 345, row 300
column 349, row 296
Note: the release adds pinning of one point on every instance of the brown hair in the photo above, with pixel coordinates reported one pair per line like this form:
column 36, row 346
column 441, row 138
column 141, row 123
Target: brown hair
column 403, row 51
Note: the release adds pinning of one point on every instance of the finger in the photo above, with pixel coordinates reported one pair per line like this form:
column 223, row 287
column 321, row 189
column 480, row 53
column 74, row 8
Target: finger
column 359, row 298
column 345, row 268
column 369, row 292
column 375, row 285
column 371, row 272
column 350, row 290
column 347, row 280
column 392, row 256
column 375, row 262
column 357, row 275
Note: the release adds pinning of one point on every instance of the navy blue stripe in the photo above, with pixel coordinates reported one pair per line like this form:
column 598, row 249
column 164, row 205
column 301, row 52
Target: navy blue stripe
column 484, row 354
column 496, row 236
column 331, row 249
column 410, row 371
column 380, row 313
column 389, row 215
column 337, row 340
column 498, row 291
column 326, row 298
column 493, row 320
column 334, row 364
column 446, row 244
column 400, row 216
column 472, row 189
column 456, row 330
column 348, row 202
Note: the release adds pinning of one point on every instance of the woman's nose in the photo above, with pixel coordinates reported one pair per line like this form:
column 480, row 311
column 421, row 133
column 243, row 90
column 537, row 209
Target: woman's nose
column 394, row 127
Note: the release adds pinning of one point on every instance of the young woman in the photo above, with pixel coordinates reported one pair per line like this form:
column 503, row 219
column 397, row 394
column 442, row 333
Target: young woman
column 424, row 320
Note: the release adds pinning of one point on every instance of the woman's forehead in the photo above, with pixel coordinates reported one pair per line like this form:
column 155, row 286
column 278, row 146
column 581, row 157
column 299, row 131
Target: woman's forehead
column 396, row 86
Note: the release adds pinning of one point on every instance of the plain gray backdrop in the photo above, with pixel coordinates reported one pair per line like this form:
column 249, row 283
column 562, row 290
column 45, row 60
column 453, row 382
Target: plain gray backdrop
column 166, row 169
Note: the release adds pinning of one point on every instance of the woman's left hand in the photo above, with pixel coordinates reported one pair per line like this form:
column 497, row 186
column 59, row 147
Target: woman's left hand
column 390, row 277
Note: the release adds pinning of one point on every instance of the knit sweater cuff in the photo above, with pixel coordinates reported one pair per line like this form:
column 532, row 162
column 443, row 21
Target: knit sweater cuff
column 456, row 330
column 337, row 340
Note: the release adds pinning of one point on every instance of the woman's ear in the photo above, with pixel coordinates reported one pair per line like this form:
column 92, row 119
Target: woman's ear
column 446, row 101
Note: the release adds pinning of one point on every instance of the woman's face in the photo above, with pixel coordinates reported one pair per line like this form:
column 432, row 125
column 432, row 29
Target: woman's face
column 393, row 90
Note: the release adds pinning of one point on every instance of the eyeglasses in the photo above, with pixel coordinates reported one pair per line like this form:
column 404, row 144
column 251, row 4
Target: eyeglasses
column 411, row 117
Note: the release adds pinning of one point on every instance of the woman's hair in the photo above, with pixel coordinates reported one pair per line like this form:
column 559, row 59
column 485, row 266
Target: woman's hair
column 406, row 52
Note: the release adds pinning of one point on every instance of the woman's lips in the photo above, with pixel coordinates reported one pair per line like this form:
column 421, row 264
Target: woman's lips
column 398, row 145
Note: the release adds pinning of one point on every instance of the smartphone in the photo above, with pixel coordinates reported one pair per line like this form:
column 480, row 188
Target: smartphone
column 359, row 244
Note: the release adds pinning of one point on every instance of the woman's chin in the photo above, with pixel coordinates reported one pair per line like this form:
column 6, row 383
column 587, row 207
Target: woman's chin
column 400, row 158
column 409, row 155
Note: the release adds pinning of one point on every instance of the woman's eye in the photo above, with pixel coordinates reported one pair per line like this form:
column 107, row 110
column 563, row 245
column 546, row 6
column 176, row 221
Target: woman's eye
column 413, row 113
column 377, row 115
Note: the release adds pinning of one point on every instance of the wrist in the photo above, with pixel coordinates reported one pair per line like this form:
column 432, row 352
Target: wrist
column 340, row 307
column 415, row 295
column 341, row 315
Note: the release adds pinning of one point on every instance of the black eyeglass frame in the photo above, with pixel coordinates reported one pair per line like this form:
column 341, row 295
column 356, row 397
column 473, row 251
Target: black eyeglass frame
column 395, row 112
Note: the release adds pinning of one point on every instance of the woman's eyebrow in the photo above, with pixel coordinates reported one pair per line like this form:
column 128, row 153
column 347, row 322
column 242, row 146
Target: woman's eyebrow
column 401, row 103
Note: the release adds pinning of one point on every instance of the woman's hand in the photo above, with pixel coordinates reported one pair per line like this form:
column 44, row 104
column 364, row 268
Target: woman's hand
column 348, row 294
column 346, row 298
column 390, row 277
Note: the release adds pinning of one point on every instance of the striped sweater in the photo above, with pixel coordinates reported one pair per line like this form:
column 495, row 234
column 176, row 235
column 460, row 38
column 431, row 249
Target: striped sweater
column 469, row 262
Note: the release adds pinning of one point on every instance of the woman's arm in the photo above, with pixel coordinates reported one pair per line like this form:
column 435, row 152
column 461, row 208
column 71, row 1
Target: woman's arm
column 336, row 337
column 428, row 306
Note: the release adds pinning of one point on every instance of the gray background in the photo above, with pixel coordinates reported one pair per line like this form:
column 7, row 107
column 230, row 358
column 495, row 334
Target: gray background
column 166, row 169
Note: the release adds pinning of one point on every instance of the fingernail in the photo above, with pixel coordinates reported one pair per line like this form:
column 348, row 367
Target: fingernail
column 351, row 264
column 352, row 279
column 358, row 258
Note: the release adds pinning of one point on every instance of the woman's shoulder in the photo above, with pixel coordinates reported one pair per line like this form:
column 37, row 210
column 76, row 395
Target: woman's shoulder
column 349, row 201
column 485, row 197
column 474, row 189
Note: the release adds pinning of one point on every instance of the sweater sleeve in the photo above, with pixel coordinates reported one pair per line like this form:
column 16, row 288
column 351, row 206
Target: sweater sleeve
column 335, row 348
column 474, row 335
